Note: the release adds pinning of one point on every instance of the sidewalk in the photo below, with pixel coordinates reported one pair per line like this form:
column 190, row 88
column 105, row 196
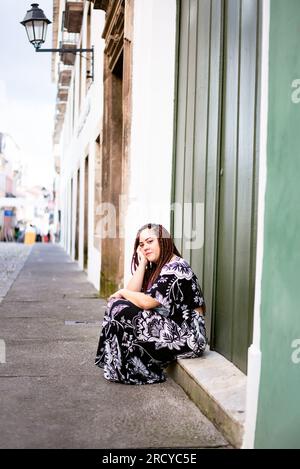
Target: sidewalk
column 52, row 395
column 12, row 259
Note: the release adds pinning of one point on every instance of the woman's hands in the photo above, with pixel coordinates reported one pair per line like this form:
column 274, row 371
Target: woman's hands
column 117, row 294
column 141, row 257
column 136, row 281
column 137, row 298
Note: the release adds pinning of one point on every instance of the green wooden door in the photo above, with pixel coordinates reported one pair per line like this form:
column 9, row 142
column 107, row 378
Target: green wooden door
column 216, row 161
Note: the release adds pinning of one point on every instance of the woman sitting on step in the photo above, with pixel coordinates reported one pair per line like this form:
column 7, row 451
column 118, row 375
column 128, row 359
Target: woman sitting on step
column 159, row 316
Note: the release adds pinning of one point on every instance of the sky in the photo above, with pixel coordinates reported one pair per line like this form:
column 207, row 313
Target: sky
column 27, row 94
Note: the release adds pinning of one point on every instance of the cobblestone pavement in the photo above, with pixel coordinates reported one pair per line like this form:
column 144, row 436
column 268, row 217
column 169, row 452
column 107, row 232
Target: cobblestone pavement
column 12, row 259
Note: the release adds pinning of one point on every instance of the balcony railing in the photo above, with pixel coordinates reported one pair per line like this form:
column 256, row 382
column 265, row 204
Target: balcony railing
column 62, row 94
column 68, row 58
column 64, row 78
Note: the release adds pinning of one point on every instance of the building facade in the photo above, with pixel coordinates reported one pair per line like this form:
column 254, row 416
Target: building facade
column 77, row 137
column 190, row 120
column 10, row 179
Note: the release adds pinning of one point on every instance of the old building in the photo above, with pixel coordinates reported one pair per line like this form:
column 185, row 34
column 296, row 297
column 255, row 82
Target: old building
column 77, row 132
column 190, row 119
column 10, row 179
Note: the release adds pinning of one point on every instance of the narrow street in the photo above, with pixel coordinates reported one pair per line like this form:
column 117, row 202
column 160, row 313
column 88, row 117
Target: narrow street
column 51, row 394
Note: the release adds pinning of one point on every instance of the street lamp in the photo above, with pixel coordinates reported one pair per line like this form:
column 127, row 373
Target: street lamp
column 36, row 23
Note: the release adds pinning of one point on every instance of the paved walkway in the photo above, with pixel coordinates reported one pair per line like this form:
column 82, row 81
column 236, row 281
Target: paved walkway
column 51, row 393
column 12, row 259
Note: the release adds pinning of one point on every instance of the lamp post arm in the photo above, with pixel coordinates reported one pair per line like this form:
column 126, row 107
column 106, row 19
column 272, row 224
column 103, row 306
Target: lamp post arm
column 72, row 51
column 65, row 50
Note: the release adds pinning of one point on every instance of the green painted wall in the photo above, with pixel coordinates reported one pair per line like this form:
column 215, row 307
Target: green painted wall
column 278, row 418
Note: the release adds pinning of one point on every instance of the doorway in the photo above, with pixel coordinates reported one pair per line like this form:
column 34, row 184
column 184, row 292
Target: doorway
column 216, row 162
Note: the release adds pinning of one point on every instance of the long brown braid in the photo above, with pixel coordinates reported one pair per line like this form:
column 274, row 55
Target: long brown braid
column 167, row 249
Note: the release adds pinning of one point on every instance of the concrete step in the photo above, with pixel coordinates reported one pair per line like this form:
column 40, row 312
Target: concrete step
column 218, row 388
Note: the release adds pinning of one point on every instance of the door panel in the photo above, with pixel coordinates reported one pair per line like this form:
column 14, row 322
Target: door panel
column 246, row 186
column 216, row 161
column 234, row 296
column 227, row 185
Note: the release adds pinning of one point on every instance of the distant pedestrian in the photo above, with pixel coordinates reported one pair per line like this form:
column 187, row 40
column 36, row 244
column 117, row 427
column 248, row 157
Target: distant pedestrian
column 38, row 235
column 159, row 316
column 17, row 231
column 8, row 234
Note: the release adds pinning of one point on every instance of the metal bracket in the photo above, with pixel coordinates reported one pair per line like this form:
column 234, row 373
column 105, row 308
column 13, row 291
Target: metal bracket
column 63, row 50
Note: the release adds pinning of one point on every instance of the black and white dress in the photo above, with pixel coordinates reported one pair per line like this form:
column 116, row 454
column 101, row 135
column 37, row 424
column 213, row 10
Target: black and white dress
column 135, row 344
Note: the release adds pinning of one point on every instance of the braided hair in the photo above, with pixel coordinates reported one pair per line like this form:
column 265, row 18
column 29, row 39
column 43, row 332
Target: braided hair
column 167, row 250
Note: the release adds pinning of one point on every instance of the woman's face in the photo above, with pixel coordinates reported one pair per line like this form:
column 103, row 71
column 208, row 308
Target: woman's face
column 149, row 245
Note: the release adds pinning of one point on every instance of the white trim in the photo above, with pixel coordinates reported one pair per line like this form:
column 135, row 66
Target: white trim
column 254, row 352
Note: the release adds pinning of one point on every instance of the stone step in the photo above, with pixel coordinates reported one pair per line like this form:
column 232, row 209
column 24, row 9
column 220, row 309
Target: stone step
column 218, row 388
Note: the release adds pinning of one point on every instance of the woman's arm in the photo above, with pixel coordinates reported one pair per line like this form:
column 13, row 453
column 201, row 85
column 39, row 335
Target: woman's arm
column 137, row 298
column 136, row 281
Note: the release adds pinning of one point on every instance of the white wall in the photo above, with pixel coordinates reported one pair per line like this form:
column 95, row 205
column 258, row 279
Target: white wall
column 151, row 146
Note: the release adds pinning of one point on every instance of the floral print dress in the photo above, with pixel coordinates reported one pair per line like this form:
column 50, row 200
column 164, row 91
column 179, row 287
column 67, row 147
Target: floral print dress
column 135, row 344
